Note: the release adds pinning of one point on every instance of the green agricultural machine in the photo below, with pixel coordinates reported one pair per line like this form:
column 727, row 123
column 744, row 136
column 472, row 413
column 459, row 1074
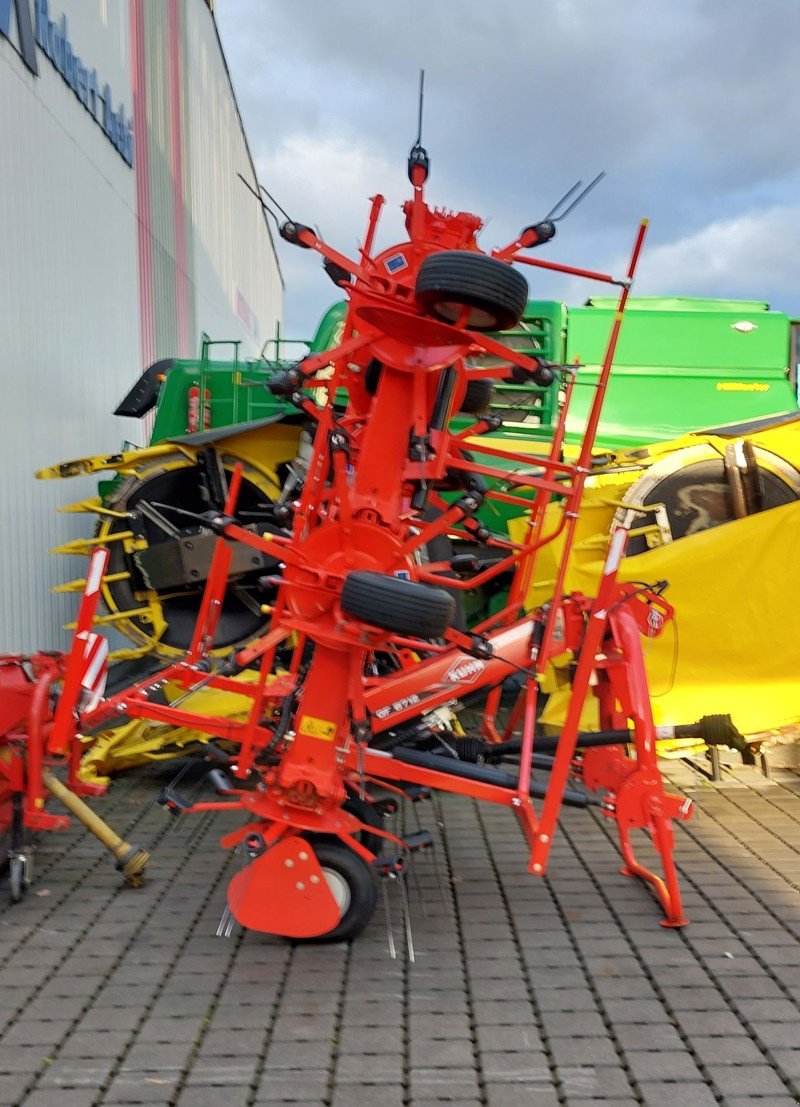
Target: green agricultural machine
column 680, row 364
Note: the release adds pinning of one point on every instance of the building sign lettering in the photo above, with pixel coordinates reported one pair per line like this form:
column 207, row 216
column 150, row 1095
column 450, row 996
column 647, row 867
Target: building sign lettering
column 52, row 38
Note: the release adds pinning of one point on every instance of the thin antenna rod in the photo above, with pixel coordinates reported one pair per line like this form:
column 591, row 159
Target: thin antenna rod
column 421, row 102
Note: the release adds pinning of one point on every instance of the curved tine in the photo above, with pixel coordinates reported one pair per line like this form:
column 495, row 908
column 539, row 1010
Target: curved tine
column 266, row 207
column 563, row 200
column 420, row 107
column 578, row 199
column 272, row 200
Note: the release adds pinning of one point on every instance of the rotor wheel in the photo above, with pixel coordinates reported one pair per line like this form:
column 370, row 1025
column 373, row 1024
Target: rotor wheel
column 697, row 495
column 354, row 886
column 452, row 280
column 163, row 618
column 402, row 606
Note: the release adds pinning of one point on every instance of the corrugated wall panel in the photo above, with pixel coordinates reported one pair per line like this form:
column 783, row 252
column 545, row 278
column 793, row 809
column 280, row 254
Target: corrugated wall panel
column 70, row 287
column 234, row 261
column 69, row 345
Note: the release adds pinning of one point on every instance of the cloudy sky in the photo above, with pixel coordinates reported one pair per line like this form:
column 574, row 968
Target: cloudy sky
column 691, row 106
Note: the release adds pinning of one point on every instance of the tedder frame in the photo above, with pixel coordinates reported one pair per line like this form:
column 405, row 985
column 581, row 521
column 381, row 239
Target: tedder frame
column 364, row 636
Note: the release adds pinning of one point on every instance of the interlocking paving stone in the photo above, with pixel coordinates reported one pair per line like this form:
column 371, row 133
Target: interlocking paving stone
column 524, row 991
column 687, row 1095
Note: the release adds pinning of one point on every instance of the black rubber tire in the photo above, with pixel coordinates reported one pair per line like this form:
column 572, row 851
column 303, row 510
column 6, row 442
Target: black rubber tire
column 362, row 884
column 367, row 814
column 18, row 880
column 402, row 606
column 453, row 279
column 477, row 397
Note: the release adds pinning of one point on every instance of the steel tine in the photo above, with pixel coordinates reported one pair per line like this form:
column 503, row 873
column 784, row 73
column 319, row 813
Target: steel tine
column 193, row 795
column 578, row 199
column 223, row 926
column 438, row 871
column 407, row 915
column 199, row 827
column 563, row 200
column 417, row 886
column 228, row 919
column 175, row 780
column 388, row 913
column 154, row 802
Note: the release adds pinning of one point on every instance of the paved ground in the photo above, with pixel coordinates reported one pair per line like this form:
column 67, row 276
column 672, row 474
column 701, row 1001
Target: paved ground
column 523, row 992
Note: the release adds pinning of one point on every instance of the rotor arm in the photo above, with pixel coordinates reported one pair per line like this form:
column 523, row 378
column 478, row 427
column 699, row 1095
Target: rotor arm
column 298, row 234
column 571, row 270
column 534, row 235
column 540, row 372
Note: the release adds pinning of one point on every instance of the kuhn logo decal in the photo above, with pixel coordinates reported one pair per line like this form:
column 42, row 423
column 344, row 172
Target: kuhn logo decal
column 466, row 671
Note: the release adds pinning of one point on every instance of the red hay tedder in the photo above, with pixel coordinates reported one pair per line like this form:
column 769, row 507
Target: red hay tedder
column 365, row 646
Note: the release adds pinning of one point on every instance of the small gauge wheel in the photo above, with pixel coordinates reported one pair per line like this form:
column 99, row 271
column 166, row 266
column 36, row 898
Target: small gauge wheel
column 20, row 873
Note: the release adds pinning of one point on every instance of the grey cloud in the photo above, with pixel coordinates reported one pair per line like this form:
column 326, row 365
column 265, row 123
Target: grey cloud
column 692, row 106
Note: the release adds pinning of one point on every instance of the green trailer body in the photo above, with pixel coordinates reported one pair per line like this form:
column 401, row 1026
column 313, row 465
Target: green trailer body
column 232, row 391
column 681, row 364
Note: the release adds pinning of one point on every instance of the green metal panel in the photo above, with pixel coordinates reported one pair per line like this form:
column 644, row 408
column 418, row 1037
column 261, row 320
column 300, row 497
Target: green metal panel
column 680, row 365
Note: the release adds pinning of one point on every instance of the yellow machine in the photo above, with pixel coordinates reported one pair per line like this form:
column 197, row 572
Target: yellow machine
column 716, row 514
column 138, row 741
column 148, row 544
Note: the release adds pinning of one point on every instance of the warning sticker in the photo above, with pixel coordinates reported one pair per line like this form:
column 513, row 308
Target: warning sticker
column 317, row 728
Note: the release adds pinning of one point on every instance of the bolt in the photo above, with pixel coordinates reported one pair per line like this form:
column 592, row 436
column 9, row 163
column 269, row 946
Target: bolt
column 314, row 879
column 289, row 863
column 537, row 868
column 516, row 801
column 300, row 886
column 303, row 856
column 544, row 837
column 189, row 545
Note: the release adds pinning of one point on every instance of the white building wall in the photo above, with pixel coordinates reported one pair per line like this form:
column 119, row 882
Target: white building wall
column 235, row 263
column 69, row 339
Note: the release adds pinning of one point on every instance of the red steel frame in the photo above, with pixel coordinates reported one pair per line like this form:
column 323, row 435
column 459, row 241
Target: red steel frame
column 356, row 513
column 28, row 737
